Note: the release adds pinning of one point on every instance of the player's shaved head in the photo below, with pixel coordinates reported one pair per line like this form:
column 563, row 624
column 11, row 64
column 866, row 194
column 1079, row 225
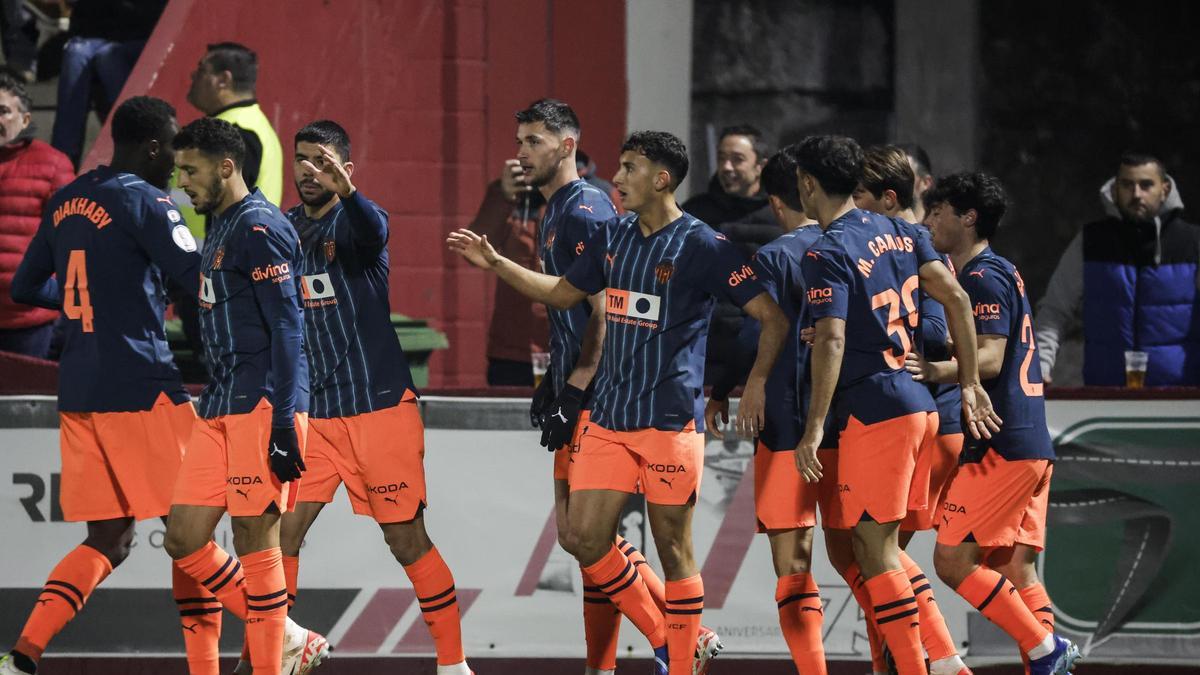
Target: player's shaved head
column 662, row 148
column 141, row 119
column 143, row 133
column 215, row 138
column 556, row 116
column 328, row 133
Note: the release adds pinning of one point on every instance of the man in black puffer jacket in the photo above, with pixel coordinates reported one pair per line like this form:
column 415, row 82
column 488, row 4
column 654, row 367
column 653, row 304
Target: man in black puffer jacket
column 734, row 205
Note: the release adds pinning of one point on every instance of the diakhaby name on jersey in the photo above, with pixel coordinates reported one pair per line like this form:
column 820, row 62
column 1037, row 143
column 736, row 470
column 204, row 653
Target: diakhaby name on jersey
column 82, row 206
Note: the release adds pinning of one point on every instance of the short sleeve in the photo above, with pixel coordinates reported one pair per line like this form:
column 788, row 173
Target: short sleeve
column 991, row 298
column 580, row 225
column 923, row 247
column 829, row 280
column 267, row 257
column 725, row 272
column 765, row 266
column 163, row 234
column 587, row 272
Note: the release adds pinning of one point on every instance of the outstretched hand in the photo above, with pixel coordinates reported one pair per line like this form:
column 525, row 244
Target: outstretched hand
column 475, row 248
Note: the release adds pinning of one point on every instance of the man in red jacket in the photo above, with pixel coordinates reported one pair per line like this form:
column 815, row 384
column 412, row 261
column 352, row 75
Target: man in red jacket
column 30, row 172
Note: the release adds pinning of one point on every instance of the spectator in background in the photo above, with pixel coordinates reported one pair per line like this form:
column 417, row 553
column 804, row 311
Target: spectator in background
column 106, row 39
column 736, row 206
column 19, row 37
column 734, row 190
column 224, row 86
column 1131, row 278
column 510, row 216
column 923, row 170
column 30, row 171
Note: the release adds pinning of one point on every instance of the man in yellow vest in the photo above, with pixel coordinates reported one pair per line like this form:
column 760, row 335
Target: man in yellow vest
column 223, row 86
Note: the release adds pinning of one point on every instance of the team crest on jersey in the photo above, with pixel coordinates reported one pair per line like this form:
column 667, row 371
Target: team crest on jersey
column 218, row 258
column 330, row 250
column 663, row 271
column 550, row 239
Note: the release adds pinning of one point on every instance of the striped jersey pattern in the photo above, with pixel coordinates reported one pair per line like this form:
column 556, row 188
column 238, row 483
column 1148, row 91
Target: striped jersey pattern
column 660, row 292
column 573, row 214
column 251, row 249
column 356, row 362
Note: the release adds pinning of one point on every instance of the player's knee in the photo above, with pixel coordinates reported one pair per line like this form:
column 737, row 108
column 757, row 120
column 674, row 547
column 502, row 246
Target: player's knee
column 675, row 556
column 112, row 538
column 587, row 547
column 949, row 565
column 178, row 544
column 407, row 544
column 566, row 541
column 116, row 546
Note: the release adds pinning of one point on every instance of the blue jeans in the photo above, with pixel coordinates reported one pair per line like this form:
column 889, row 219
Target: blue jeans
column 88, row 60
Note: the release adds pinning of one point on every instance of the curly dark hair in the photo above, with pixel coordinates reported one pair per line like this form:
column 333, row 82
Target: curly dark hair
column 556, row 115
column 835, row 161
column 661, row 148
column 779, row 178
column 213, row 137
column 326, row 132
column 971, row 190
column 140, row 119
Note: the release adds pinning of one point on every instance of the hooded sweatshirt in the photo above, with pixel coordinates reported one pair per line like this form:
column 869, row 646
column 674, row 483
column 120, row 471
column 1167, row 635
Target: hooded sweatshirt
column 1133, row 286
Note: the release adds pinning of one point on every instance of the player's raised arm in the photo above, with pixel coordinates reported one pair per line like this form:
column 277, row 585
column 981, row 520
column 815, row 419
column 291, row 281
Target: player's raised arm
column 368, row 223
column 554, row 291
column 34, row 283
column 773, row 332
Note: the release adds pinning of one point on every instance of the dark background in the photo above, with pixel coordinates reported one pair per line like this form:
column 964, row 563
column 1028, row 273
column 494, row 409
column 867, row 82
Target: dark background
column 1062, row 89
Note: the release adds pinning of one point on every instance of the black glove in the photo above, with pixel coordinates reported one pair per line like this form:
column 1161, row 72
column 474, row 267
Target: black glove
column 284, row 454
column 559, row 420
column 543, row 396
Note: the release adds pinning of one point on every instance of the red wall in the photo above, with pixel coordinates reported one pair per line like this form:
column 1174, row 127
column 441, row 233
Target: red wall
column 427, row 90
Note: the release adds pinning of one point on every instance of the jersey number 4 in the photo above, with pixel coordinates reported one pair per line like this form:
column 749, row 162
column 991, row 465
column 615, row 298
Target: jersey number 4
column 892, row 300
column 77, row 302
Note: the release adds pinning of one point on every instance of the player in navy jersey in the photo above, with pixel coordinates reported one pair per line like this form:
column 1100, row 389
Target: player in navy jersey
column 886, row 188
column 245, row 451
column 364, row 427
column 660, row 270
column 105, row 247
column 993, row 522
column 548, row 133
column 862, row 276
column 785, row 505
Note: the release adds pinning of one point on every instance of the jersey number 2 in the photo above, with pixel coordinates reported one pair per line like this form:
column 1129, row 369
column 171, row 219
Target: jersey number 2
column 895, row 326
column 1030, row 388
column 77, row 282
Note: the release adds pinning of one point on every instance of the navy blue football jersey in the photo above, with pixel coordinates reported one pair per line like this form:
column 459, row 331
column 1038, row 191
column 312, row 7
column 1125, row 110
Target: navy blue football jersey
column 573, row 214
column 110, row 239
column 864, row 269
column 1002, row 308
column 249, row 269
column 778, row 269
column 355, row 359
column 660, row 293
